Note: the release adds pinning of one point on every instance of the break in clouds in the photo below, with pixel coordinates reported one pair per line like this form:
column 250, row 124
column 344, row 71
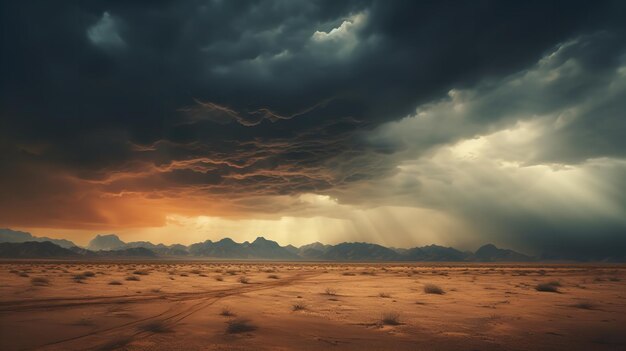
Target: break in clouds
column 392, row 122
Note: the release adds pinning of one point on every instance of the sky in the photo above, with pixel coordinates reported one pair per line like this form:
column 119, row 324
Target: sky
column 402, row 123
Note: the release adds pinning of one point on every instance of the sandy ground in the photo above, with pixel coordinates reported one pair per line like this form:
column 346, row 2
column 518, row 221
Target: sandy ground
column 287, row 306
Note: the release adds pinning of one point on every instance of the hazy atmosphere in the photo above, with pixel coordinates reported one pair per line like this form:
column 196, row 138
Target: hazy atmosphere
column 400, row 123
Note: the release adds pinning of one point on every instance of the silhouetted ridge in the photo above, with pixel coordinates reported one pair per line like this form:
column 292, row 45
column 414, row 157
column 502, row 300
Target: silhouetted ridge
column 110, row 245
column 15, row 236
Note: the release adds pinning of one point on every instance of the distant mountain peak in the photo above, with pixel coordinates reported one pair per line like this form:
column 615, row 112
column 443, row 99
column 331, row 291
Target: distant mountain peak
column 105, row 242
column 15, row 236
column 490, row 252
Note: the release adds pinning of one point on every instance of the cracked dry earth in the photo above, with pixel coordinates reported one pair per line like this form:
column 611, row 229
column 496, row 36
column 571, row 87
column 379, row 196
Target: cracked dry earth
column 310, row 306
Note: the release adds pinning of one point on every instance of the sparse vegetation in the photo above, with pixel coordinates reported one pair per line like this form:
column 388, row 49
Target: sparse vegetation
column 272, row 276
column 244, row 280
column 79, row 278
column 433, row 289
column 141, row 272
column 548, row 287
column 330, row 292
column 384, row 295
column 226, row 312
column 390, row 318
column 298, row 306
column 133, row 278
column 115, row 282
column 239, row 325
column 219, row 278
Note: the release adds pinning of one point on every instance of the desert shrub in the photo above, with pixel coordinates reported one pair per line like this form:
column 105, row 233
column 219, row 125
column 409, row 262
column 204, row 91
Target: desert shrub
column 141, row 272
column 133, row 278
column 23, row 274
column 548, row 287
column 227, row 312
column 115, row 282
column 433, row 289
column 272, row 276
column 330, row 292
column 390, row 318
column 89, row 274
column 79, row 278
column 298, row 306
column 384, row 295
column 244, row 280
column 239, row 325
column 219, row 278
column 195, row 271
column 39, row 281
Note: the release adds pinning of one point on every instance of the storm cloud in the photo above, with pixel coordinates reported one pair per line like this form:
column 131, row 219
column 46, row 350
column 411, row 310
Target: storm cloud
column 120, row 114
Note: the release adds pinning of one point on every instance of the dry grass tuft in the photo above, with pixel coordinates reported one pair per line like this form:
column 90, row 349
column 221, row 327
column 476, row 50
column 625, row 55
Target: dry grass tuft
column 115, row 282
column 298, row 306
column 244, row 280
column 389, row 318
column 384, row 295
column 433, row 289
column 548, row 287
column 227, row 312
column 239, row 325
column 79, row 278
column 272, row 276
column 133, row 278
column 330, row 292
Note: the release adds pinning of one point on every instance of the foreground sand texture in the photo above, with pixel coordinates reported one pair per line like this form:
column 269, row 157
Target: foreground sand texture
column 287, row 306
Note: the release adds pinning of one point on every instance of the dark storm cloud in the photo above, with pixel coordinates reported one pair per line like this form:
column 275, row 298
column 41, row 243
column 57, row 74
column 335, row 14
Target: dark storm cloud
column 246, row 98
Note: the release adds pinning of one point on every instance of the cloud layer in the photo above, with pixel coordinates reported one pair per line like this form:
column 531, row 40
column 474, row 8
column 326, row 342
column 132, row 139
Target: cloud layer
column 504, row 118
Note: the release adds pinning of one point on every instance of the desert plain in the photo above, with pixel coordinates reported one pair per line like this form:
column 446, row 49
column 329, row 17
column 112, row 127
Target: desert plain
column 310, row 306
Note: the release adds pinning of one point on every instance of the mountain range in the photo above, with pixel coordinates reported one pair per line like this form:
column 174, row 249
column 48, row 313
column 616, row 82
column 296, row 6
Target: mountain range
column 16, row 244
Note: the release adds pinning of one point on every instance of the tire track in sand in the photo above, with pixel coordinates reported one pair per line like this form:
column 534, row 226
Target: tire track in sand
column 127, row 332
